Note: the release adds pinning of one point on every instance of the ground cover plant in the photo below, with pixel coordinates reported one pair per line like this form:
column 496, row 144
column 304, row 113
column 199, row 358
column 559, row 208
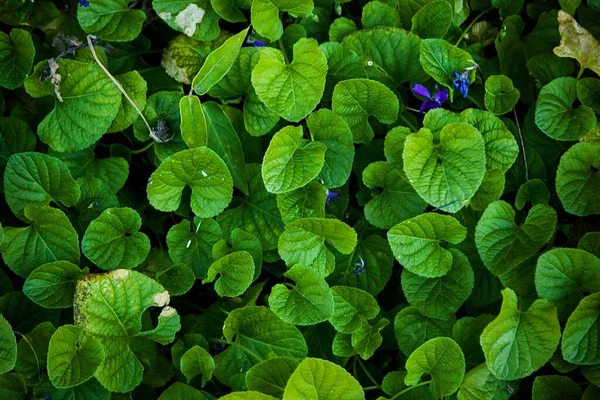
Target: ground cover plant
column 300, row 199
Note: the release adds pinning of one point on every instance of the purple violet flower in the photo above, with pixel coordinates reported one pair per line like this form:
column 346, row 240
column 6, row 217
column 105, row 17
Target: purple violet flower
column 259, row 43
column 331, row 195
column 440, row 96
column 84, row 3
column 461, row 82
column 360, row 267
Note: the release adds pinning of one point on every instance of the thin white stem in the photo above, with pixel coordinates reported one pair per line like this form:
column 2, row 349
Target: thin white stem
column 522, row 145
column 116, row 82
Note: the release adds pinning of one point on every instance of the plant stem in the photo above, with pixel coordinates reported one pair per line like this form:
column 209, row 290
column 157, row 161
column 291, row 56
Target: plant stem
column 369, row 388
column 408, row 389
column 408, row 123
column 282, row 48
column 37, row 361
column 362, row 366
column 143, row 149
column 412, row 109
column 116, row 82
column 468, row 28
column 522, row 145
column 581, row 69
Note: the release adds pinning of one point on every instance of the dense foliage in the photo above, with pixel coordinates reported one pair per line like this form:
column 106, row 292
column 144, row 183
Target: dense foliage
column 300, row 199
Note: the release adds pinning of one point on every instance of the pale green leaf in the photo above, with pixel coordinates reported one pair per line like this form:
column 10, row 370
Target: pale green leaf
column 194, row 130
column 264, row 15
column 197, row 361
column 578, row 180
column 443, row 360
column 353, row 308
column 416, row 243
column 519, row 342
column 367, row 339
column 502, row 244
column 73, row 357
column 441, row 60
column 580, row 337
column 270, row 376
column 136, row 87
column 293, row 89
column 218, row 63
column 309, row 301
column 203, row 171
column 500, row 94
column 305, row 241
column 578, row 43
column 111, row 20
column 305, row 202
column 236, row 272
column 445, row 174
column 52, row 285
column 113, row 240
column 480, row 384
column 195, row 18
column 355, row 100
column 291, row 162
column 320, row 379
column 376, row 13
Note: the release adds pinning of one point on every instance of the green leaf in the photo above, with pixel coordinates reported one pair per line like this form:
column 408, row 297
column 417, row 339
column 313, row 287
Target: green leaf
column 307, row 303
column 367, row 339
column 397, row 202
column 73, row 357
column 192, row 244
column 353, row 308
column 305, row 202
column 16, row 57
column 52, row 285
column 218, row 63
column 393, row 52
column 264, row 15
column 433, row 20
column 109, row 308
column 305, row 242
column 518, row 342
column 291, row 162
column 502, row 244
column 180, row 390
column 111, row 20
column 32, row 352
column 228, row 9
column 580, row 336
column 15, row 137
column 500, row 94
column 293, row 89
column 578, row 43
column 320, row 379
column 258, row 118
column 136, row 87
column 376, row 13
column 162, row 106
column 443, row 296
column 491, row 189
column 441, row 60
column 242, row 241
column 178, row 279
column 84, row 88
column 588, row 92
column 480, row 384
column 590, row 242
column 355, row 100
column 270, row 376
column 340, row 28
column 195, row 18
column 203, row 171
column 37, row 178
column 448, row 174
column 184, row 56
column 197, row 361
column 343, row 63
column 247, row 396
column 8, row 346
column 224, row 140
column 577, row 179
column 194, row 129
column 466, row 332
column 50, row 237
column 562, row 276
column 555, row 115
column 113, row 240
column 257, row 214
column 412, row 329
column 555, row 387
column 443, row 360
column 533, row 191
column 236, row 272
column 113, row 171
column 416, row 243
column 328, row 128
column 12, row 386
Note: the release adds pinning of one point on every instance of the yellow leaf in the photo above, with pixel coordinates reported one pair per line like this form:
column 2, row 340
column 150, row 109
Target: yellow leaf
column 578, row 43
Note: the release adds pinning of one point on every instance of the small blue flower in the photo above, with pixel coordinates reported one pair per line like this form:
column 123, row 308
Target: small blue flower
column 440, row 96
column 258, row 43
column 84, row 3
column 360, row 267
column 331, row 195
column 461, row 82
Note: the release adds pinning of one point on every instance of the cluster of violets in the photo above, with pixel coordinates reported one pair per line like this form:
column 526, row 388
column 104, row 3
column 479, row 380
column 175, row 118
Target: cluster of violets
column 461, row 83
